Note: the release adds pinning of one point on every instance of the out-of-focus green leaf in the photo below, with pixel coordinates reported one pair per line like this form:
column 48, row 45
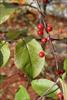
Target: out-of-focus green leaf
column 14, row 34
column 65, row 65
column 22, row 94
column 4, row 53
column 64, row 76
column 6, row 11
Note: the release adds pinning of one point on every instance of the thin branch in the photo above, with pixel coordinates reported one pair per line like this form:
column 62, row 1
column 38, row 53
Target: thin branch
column 53, row 49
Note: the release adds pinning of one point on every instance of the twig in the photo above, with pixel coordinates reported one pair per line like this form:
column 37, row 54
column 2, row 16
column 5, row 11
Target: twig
column 53, row 49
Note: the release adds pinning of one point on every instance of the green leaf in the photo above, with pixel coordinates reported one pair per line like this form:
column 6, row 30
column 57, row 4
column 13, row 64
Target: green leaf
column 64, row 87
column 27, row 57
column 65, row 65
column 42, row 85
column 14, row 34
column 22, row 94
column 5, row 12
column 64, row 76
column 4, row 53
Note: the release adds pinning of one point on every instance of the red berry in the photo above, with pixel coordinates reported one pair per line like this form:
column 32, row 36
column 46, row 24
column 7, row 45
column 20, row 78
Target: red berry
column 40, row 26
column 60, row 72
column 44, row 40
column 60, row 96
column 49, row 28
column 40, row 32
column 41, row 54
column 45, row 1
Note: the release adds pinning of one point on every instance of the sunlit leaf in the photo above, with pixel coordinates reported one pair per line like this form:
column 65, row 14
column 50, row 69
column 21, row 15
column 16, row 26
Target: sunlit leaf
column 40, row 86
column 27, row 57
column 22, row 94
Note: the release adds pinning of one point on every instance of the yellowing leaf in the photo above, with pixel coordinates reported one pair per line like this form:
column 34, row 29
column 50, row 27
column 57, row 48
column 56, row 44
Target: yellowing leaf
column 22, row 94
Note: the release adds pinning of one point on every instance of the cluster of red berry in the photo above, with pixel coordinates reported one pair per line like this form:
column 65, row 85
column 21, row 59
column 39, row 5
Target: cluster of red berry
column 41, row 32
column 43, row 41
column 60, row 72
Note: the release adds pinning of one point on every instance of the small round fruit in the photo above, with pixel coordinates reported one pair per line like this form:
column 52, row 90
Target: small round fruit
column 40, row 26
column 60, row 96
column 49, row 28
column 44, row 40
column 60, row 72
column 41, row 54
column 40, row 32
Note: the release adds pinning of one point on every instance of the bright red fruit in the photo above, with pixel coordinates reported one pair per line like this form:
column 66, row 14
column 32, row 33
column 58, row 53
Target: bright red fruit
column 41, row 54
column 44, row 40
column 40, row 32
column 49, row 28
column 60, row 96
column 45, row 1
column 40, row 26
column 60, row 72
